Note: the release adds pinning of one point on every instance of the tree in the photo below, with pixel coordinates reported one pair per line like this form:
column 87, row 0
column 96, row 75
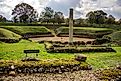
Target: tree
column 97, row 17
column 79, row 21
column 110, row 20
column 119, row 21
column 24, row 13
column 47, row 14
column 66, row 20
column 59, row 18
column 2, row 19
column 91, row 17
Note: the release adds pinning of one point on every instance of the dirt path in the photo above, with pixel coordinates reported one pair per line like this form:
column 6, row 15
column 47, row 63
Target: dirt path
column 63, row 39
column 68, row 76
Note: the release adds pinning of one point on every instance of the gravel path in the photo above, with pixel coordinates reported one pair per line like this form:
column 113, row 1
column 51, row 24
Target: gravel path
column 63, row 39
column 67, row 76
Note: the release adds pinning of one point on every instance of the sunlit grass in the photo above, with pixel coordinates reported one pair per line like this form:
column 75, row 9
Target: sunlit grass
column 97, row 60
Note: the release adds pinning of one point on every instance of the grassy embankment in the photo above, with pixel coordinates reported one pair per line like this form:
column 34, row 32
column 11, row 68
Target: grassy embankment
column 89, row 32
column 8, row 34
column 31, row 30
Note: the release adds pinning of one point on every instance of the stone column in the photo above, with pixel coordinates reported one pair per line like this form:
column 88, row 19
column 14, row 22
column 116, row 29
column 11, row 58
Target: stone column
column 71, row 26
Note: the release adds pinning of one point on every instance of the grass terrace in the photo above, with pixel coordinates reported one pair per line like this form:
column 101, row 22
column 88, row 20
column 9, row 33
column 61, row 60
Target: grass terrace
column 8, row 34
column 29, row 30
column 84, row 31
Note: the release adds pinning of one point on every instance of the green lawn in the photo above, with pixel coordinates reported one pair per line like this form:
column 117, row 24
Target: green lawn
column 15, row 51
column 97, row 60
column 105, row 60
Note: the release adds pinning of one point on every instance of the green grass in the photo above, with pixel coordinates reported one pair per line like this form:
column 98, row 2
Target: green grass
column 8, row 34
column 97, row 60
column 91, row 28
column 15, row 51
column 116, row 36
column 21, row 30
column 90, row 31
column 105, row 60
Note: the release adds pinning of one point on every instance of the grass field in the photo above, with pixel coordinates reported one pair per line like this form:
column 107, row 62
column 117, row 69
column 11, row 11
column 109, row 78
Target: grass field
column 97, row 60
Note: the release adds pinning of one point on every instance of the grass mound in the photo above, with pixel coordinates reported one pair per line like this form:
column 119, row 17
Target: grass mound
column 28, row 31
column 8, row 34
column 116, row 36
column 88, row 32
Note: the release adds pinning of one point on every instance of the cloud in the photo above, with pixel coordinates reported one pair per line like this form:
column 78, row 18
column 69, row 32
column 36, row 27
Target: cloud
column 81, row 7
column 109, row 6
column 63, row 5
column 6, row 6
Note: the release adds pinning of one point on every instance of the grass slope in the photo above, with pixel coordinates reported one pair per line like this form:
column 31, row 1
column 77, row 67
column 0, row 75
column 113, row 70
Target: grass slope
column 8, row 34
column 97, row 60
column 22, row 30
column 116, row 36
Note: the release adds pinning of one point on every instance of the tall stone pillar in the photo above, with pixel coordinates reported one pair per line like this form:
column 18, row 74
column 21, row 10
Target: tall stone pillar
column 71, row 26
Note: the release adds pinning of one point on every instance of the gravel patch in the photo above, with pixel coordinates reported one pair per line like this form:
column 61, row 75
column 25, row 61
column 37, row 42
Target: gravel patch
column 67, row 76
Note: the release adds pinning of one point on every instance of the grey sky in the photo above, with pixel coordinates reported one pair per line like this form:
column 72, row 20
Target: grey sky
column 81, row 7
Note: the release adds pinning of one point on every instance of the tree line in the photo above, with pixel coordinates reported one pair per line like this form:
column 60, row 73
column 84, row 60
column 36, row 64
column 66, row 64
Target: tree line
column 25, row 13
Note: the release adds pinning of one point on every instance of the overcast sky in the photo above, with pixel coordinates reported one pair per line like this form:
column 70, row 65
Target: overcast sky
column 81, row 7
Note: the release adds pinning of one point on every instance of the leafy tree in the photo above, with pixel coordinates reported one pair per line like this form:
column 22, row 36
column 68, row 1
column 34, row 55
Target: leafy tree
column 79, row 21
column 66, row 20
column 47, row 14
column 2, row 19
column 119, row 21
column 91, row 17
column 110, row 20
column 97, row 17
column 59, row 18
column 24, row 13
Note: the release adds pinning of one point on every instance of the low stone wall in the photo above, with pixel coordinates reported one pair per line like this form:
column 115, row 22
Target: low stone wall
column 10, row 40
column 46, row 69
column 45, row 66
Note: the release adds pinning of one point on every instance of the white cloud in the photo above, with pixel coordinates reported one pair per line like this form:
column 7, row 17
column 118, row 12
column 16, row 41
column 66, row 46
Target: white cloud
column 6, row 6
column 109, row 6
column 82, row 7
